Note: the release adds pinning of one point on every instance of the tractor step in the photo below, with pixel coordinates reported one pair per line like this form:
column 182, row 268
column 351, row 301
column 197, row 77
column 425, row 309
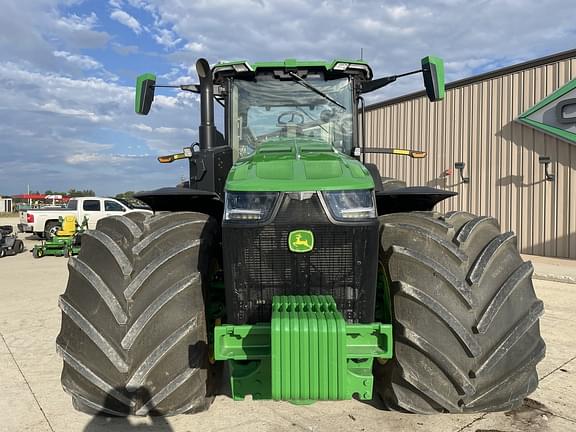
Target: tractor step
column 306, row 353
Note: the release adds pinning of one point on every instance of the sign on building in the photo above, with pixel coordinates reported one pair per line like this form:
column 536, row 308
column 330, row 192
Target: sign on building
column 555, row 114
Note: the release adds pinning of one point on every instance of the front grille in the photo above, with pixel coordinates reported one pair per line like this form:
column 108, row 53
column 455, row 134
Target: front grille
column 259, row 264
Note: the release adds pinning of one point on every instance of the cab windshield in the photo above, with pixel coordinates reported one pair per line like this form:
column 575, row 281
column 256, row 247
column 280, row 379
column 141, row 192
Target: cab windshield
column 271, row 110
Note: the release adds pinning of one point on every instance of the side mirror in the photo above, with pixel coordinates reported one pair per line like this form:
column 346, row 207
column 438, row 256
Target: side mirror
column 144, row 93
column 433, row 74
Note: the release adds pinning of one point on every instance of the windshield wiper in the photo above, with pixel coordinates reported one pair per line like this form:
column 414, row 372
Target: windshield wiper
column 304, row 83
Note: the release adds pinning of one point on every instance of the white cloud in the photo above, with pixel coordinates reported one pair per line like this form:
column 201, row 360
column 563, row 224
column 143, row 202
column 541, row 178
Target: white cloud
column 81, row 61
column 81, row 113
column 161, row 129
column 394, row 35
column 83, row 158
column 195, row 46
column 125, row 49
column 126, row 19
column 46, row 117
column 398, row 11
column 166, row 38
column 78, row 22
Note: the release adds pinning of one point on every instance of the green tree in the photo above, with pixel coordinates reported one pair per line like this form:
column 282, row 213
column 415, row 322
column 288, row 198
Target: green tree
column 125, row 195
column 80, row 193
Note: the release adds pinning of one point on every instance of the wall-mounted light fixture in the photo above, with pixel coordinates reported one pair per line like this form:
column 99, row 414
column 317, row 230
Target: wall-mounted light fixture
column 460, row 167
column 545, row 160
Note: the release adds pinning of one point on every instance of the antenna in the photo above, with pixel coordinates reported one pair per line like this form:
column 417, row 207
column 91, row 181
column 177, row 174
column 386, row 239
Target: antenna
column 361, row 53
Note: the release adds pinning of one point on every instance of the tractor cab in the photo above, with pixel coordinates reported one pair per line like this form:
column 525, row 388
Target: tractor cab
column 275, row 103
column 289, row 126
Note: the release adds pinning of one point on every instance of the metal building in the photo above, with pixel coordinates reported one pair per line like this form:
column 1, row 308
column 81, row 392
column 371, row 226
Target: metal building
column 503, row 125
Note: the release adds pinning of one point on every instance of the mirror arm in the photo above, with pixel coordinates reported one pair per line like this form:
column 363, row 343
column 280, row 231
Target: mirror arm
column 369, row 86
column 194, row 88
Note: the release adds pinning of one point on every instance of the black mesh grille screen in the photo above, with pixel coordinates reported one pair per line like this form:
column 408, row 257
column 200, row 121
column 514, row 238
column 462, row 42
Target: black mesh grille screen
column 259, row 264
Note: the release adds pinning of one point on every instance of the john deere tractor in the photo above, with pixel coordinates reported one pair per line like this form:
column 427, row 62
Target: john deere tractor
column 299, row 265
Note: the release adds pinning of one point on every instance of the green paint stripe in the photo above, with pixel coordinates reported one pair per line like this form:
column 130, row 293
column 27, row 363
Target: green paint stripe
column 551, row 98
column 551, row 130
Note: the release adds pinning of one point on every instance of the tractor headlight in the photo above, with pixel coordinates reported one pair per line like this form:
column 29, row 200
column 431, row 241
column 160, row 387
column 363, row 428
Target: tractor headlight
column 351, row 205
column 249, row 206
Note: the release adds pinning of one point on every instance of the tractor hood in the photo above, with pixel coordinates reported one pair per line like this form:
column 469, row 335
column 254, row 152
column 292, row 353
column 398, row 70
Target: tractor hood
column 297, row 165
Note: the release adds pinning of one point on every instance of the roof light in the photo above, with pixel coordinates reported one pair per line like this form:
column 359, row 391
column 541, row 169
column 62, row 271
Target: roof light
column 242, row 67
column 341, row 66
column 363, row 67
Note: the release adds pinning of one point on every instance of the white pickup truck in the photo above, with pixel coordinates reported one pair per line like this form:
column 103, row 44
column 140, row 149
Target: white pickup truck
column 45, row 222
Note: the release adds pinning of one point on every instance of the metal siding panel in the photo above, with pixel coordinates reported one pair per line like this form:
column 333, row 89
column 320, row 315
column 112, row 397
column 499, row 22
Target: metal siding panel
column 539, row 187
column 445, row 141
column 448, row 140
column 407, row 139
column 570, row 204
column 464, row 112
column 505, row 149
column 475, row 124
column 525, row 227
column 466, row 135
column 400, row 126
column 485, row 143
column 550, row 187
column 493, row 146
column 562, row 198
column 503, row 125
column 513, row 205
column 562, row 172
column 570, row 176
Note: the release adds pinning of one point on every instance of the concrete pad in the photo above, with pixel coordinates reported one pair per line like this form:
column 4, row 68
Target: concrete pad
column 524, row 419
column 30, row 322
column 558, row 324
column 20, row 412
column 557, row 392
column 553, row 269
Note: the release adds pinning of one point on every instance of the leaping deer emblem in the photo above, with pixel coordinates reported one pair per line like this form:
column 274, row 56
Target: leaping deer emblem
column 299, row 242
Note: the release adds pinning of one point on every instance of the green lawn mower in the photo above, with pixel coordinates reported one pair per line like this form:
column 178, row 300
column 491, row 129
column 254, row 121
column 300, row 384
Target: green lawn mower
column 294, row 261
column 65, row 242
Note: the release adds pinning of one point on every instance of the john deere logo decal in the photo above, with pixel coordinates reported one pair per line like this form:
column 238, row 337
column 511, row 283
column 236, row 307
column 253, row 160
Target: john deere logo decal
column 301, row 241
column 555, row 114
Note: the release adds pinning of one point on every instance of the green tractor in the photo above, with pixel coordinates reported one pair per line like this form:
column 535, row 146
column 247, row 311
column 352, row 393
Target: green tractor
column 297, row 264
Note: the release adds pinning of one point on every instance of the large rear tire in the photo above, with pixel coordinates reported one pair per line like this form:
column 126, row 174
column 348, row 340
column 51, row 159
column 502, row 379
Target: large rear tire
column 133, row 336
column 465, row 315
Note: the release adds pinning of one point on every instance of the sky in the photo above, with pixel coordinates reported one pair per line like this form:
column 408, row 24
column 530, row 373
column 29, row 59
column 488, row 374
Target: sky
column 68, row 68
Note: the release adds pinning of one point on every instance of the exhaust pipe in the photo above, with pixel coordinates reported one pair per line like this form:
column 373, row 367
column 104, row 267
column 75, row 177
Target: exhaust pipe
column 206, row 130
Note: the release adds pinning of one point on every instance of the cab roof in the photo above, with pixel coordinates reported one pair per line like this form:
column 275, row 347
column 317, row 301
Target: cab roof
column 342, row 66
